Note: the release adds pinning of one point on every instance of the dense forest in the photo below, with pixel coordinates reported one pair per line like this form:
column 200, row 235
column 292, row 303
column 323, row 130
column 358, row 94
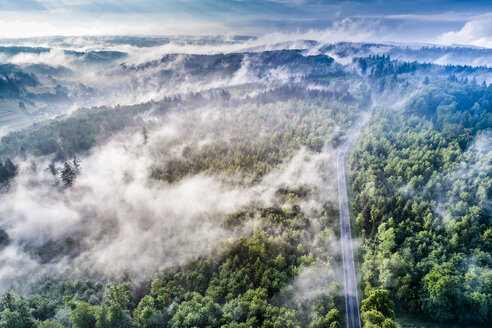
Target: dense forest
column 251, row 281
column 219, row 208
column 421, row 182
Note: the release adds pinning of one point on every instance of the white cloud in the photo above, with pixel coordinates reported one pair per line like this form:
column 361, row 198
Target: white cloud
column 126, row 222
column 15, row 25
column 477, row 32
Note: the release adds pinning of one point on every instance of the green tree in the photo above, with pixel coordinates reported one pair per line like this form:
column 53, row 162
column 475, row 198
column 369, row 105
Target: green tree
column 146, row 315
column 112, row 316
column 197, row 311
column 83, row 316
column 67, row 174
column 443, row 293
column 50, row 323
column 380, row 301
column 16, row 312
column 8, row 171
column 330, row 320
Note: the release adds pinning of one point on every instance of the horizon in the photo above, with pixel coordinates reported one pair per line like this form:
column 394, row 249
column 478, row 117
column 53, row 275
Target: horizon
column 444, row 23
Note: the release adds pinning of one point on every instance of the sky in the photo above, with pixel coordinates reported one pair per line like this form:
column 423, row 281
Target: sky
column 441, row 22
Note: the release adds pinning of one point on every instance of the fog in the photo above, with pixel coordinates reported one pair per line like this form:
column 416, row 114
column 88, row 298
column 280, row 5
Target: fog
column 125, row 223
column 67, row 73
column 150, row 195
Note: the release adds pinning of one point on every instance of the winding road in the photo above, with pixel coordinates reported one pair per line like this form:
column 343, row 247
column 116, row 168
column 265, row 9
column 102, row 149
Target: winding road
column 349, row 277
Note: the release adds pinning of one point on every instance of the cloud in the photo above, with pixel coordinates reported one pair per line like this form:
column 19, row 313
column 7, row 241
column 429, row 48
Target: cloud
column 54, row 57
column 126, row 223
column 313, row 282
column 123, row 221
column 477, row 32
column 383, row 20
column 346, row 29
column 21, row 25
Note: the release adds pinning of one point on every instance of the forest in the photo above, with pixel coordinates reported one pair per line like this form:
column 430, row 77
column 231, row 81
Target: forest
column 219, row 207
column 249, row 281
column 421, row 183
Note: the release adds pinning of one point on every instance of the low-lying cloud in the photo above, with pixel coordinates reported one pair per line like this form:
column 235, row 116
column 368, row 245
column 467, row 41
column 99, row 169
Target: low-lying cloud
column 122, row 222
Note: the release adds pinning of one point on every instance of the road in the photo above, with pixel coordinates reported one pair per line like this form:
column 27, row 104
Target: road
column 349, row 277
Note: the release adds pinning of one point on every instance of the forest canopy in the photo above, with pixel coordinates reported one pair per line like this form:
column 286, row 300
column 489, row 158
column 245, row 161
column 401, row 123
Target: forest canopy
column 218, row 207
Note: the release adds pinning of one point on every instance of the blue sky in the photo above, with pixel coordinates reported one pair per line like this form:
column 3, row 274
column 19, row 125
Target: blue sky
column 451, row 21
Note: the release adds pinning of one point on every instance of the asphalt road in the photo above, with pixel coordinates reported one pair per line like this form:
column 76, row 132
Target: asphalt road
column 349, row 277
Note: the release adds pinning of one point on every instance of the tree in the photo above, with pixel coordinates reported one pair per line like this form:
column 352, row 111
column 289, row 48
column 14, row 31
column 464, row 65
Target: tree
column 67, row 174
column 114, row 313
column 83, row 316
column 197, row 311
column 16, row 312
column 120, row 294
column 372, row 317
column 52, row 169
column 76, row 165
column 280, row 262
column 146, row 315
column 145, row 135
column 331, row 320
column 4, row 238
column 443, row 294
column 375, row 319
column 51, row 323
column 380, row 301
column 112, row 316
column 8, row 170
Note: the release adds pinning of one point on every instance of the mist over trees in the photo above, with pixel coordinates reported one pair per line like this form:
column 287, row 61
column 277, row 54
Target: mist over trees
column 422, row 187
column 215, row 205
column 8, row 170
column 248, row 142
